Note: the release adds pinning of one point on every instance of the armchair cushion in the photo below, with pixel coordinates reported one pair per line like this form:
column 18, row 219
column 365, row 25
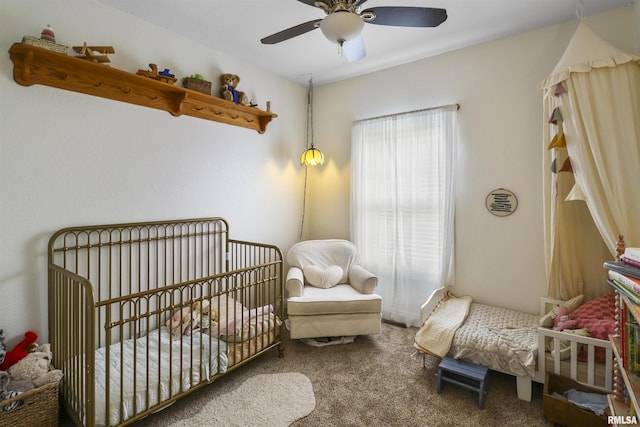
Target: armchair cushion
column 340, row 299
column 323, row 277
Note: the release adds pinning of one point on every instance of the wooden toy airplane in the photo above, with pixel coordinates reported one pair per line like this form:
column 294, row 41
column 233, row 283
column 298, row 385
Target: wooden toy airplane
column 94, row 53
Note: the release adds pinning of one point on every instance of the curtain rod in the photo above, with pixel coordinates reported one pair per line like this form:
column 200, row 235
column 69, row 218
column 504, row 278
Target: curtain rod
column 408, row 112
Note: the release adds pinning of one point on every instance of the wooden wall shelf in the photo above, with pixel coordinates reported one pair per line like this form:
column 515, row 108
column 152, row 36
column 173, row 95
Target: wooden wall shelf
column 34, row 65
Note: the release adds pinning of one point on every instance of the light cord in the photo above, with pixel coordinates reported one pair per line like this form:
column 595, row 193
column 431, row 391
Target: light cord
column 308, row 144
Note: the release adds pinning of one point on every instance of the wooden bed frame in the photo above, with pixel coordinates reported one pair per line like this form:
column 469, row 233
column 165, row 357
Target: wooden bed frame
column 592, row 373
column 113, row 290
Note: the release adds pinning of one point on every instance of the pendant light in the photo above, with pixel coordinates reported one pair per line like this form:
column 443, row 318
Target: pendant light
column 311, row 156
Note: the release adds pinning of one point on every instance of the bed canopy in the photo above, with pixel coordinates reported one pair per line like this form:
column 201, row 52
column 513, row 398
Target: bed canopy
column 591, row 137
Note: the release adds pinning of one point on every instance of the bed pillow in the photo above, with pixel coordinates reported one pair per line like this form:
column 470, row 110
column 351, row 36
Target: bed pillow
column 598, row 317
column 548, row 319
column 323, row 277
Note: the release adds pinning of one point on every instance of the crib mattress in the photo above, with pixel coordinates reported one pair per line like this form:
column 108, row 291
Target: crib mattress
column 137, row 383
column 498, row 338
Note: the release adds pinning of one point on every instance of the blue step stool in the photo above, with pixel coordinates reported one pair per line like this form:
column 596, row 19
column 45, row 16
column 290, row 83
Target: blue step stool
column 465, row 374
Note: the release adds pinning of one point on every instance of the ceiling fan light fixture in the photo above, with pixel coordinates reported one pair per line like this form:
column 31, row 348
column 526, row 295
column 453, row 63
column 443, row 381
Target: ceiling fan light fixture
column 341, row 26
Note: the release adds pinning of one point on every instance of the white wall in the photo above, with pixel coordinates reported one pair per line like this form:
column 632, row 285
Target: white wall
column 71, row 159
column 499, row 260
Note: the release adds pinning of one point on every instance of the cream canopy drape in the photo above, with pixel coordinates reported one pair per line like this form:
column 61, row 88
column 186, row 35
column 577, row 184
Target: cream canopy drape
column 596, row 89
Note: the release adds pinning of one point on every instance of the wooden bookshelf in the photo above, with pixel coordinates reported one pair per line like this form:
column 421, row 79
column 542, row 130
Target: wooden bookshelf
column 630, row 381
column 34, row 65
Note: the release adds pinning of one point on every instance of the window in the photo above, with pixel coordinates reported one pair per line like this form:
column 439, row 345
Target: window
column 402, row 207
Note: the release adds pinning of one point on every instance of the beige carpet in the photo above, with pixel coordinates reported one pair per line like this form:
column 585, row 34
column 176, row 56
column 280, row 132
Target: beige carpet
column 371, row 382
column 274, row 400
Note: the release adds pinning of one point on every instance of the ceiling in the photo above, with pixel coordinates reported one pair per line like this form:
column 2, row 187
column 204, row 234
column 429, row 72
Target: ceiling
column 236, row 27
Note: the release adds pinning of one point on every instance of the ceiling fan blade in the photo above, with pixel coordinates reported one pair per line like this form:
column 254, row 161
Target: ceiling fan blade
column 407, row 16
column 292, row 32
column 354, row 49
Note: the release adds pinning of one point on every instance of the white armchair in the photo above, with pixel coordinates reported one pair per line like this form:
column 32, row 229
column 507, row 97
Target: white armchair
column 329, row 293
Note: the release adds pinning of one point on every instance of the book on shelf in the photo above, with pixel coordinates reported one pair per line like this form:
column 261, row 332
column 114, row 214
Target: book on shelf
column 631, row 296
column 628, row 282
column 632, row 253
column 623, row 268
column 630, row 360
column 622, row 321
column 632, row 357
column 630, row 261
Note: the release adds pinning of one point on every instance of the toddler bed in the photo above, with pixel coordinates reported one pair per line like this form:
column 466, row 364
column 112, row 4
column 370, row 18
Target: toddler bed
column 141, row 314
column 513, row 342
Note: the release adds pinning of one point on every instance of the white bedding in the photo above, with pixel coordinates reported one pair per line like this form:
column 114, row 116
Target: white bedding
column 498, row 338
column 173, row 365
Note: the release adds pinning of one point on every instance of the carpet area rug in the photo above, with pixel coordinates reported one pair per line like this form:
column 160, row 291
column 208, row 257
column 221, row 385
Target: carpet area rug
column 265, row 399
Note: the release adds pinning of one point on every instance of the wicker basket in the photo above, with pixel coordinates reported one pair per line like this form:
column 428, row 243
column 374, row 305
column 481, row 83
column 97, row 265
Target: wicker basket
column 39, row 408
column 197, row 84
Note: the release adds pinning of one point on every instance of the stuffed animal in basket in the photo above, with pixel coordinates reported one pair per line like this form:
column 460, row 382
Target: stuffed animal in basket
column 229, row 92
column 34, row 370
column 5, row 379
column 20, row 351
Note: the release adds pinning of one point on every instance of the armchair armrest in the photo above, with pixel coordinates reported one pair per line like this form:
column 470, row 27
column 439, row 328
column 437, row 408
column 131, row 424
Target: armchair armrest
column 363, row 280
column 295, row 282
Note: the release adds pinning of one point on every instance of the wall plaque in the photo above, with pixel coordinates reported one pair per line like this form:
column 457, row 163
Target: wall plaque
column 501, row 202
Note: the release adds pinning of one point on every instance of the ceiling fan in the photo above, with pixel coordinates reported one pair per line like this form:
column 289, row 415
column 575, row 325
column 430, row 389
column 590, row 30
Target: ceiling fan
column 344, row 23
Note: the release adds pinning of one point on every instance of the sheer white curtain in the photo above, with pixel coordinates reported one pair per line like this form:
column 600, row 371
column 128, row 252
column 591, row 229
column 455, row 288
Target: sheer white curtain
column 402, row 205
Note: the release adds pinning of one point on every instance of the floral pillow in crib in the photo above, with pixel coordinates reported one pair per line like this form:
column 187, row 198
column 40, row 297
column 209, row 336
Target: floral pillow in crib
column 229, row 318
column 224, row 312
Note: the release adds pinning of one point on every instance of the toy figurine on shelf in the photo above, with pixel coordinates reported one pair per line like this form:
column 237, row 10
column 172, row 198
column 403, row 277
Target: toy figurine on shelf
column 620, row 247
column 94, row 53
column 47, row 40
column 48, row 34
column 163, row 76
